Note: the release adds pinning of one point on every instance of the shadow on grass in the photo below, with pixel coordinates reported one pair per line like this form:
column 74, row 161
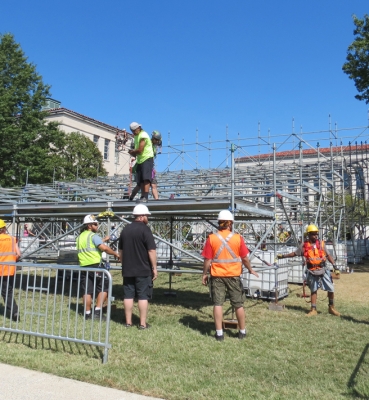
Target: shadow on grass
column 356, row 321
column 54, row 284
column 302, row 309
column 360, row 376
column 192, row 322
column 53, row 345
column 186, row 298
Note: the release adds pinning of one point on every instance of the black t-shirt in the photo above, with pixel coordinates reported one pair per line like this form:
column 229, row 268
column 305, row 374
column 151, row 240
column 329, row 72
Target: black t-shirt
column 136, row 240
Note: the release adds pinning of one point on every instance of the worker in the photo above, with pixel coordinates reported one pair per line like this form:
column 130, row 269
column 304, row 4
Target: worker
column 137, row 250
column 224, row 254
column 156, row 145
column 283, row 234
column 90, row 247
column 9, row 252
column 316, row 254
column 144, row 153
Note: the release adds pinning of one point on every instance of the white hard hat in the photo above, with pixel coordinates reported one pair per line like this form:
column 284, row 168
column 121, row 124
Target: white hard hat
column 141, row 209
column 89, row 219
column 225, row 215
column 134, row 125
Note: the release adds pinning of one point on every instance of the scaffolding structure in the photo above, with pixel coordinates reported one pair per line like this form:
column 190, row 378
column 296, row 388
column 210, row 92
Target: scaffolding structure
column 272, row 184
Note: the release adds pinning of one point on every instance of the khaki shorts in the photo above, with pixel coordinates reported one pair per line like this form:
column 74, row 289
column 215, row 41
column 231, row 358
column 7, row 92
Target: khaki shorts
column 233, row 286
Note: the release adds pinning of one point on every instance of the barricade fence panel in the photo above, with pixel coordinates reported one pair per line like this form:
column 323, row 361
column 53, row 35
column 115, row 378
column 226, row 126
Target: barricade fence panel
column 46, row 300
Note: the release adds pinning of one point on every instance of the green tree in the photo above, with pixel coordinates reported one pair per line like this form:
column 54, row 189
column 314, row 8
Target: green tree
column 81, row 157
column 357, row 65
column 28, row 142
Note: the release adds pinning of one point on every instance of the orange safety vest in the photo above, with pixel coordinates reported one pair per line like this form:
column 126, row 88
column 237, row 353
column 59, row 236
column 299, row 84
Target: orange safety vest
column 314, row 256
column 7, row 254
column 226, row 261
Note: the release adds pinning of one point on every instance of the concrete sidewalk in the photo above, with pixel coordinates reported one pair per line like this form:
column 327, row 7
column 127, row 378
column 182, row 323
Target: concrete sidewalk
column 23, row 384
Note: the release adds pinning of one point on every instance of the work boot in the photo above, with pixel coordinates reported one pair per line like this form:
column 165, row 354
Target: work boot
column 333, row 311
column 312, row 313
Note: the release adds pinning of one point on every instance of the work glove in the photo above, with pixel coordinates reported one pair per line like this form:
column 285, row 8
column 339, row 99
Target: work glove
column 279, row 256
column 336, row 270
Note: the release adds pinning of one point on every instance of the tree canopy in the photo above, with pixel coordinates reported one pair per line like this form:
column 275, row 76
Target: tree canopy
column 79, row 158
column 30, row 145
column 357, row 64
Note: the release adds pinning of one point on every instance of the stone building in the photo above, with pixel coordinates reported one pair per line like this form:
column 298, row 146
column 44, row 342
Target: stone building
column 116, row 160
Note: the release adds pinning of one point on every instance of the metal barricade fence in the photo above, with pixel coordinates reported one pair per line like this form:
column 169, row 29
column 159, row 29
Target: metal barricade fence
column 47, row 302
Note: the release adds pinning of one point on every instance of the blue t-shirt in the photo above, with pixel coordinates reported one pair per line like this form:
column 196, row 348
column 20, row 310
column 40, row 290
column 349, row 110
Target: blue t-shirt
column 96, row 240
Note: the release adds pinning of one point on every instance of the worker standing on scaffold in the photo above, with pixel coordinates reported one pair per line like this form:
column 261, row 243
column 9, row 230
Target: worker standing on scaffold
column 316, row 254
column 156, row 146
column 144, row 154
column 224, row 253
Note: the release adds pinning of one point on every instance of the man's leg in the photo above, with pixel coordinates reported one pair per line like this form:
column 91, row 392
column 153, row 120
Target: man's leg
column 218, row 317
column 87, row 302
column 101, row 297
column 314, row 297
column 135, row 190
column 154, row 190
column 240, row 315
column 331, row 308
column 145, row 177
column 143, row 306
column 145, row 187
column 313, row 311
column 128, row 309
column 7, row 294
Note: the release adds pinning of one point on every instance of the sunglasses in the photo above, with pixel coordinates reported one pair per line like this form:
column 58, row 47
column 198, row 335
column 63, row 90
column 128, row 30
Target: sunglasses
column 95, row 224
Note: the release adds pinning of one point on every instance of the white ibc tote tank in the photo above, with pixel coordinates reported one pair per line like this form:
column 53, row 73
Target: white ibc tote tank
column 24, row 242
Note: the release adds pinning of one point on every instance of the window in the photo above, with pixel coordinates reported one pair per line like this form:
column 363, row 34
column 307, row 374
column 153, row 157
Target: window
column 116, row 157
column 96, row 139
column 268, row 190
column 316, row 195
column 328, row 175
column 346, row 179
column 106, row 149
column 360, row 183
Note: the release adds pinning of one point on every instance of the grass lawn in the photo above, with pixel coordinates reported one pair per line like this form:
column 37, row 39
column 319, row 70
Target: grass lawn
column 286, row 355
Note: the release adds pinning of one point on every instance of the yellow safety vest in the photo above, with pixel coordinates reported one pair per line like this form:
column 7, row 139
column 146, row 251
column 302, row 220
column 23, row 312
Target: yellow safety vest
column 88, row 253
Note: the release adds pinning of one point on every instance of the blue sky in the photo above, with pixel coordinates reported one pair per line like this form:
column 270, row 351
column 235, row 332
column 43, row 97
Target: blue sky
column 192, row 68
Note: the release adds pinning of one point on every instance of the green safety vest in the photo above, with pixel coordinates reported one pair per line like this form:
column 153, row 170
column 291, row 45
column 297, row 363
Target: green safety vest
column 148, row 150
column 88, row 253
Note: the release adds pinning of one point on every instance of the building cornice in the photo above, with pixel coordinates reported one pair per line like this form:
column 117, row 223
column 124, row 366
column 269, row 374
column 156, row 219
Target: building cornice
column 64, row 111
